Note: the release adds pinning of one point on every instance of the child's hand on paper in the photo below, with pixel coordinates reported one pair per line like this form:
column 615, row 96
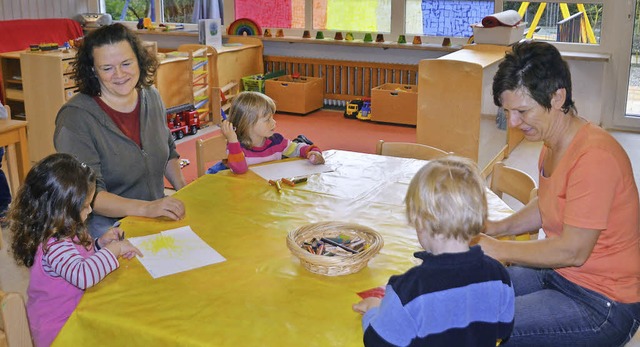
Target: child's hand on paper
column 366, row 304
column 113, row 234
column 123, row 249
column 228, row 131
column 315, row 157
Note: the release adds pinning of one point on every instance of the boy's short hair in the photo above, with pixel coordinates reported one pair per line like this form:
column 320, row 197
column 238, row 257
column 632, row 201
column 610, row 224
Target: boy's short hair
column 447, row 197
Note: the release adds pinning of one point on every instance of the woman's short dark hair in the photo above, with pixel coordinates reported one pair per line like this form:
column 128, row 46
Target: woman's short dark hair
column 85, row 76
column 538, row 68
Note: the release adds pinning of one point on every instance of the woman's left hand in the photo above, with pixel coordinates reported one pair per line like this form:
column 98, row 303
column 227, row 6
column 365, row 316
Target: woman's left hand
column 315, row 157
column 169, row 207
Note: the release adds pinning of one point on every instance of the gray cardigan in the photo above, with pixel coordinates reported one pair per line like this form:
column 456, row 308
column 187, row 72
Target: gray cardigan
column 84, row 130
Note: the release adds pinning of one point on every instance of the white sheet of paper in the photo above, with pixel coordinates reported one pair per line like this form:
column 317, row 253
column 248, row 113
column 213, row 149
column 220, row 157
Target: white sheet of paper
column 173, row 251
column 288, row 169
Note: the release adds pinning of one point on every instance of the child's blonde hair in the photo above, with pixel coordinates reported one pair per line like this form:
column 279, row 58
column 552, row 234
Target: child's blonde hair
column 246, row 109
column 447, row 197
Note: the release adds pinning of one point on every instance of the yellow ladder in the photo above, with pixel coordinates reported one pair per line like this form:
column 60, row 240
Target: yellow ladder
column 586, row 33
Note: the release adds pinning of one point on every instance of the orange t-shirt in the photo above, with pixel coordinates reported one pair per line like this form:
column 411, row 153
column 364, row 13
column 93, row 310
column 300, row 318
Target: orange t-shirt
column 593, row 188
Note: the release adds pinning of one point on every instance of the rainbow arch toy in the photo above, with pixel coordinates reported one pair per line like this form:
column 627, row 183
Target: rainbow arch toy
column 244, row 26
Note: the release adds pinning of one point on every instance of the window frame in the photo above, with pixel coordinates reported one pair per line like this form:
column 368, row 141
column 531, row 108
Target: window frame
column 398, row 23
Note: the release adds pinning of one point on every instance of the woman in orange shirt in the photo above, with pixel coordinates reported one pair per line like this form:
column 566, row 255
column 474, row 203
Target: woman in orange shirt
column 581, row 284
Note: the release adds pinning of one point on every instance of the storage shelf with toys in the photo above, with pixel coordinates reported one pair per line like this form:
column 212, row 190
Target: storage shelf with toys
column 184, row 78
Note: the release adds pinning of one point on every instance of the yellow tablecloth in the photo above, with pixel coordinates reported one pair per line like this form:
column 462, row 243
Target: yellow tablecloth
column 261, row 295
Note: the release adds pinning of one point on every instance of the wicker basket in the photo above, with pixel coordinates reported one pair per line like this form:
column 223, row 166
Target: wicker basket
column 337, row 265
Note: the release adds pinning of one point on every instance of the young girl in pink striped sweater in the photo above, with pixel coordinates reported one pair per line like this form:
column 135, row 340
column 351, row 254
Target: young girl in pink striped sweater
column 251, row 136
column 50, row 237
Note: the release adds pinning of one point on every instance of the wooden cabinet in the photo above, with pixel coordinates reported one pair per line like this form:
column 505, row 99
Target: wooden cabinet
column 240, row 56
column 455, row 106
column 12, row 90
column 47, row 84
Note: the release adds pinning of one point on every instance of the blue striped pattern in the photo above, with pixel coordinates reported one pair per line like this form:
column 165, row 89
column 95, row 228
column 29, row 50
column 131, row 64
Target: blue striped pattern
column 430, row 309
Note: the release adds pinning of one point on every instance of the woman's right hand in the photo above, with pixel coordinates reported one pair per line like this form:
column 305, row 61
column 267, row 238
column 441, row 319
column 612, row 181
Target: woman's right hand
column 169, row 207
column 228, row 131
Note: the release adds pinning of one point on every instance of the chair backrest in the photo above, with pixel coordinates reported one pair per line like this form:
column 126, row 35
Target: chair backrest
column 6, row 107
column 513, row 182
column 14, row 320
column 409, row 150
column 209, row 150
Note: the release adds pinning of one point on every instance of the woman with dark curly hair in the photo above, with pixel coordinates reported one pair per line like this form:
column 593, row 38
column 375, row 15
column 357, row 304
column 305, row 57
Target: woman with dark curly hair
column 117, row 125
column 50, row 237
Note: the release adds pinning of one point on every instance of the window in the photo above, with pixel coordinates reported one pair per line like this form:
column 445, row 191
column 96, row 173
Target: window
column 165, row 11
column 272, row 14
column 577, row 21
column 130, row 10
column 560, row 22
column 450, row 18
column 352, row 15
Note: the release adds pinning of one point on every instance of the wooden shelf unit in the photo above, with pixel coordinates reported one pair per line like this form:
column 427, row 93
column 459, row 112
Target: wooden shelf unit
column 240, row 56
column 174, row 81
column 201, row 57
column 48, row 84
column 455, row 106
column 12, row 89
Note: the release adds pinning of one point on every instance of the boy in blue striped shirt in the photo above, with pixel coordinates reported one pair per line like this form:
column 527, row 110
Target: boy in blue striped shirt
column 458, row 296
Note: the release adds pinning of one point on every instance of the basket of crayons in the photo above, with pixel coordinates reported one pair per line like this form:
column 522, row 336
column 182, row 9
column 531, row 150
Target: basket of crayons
column 334, row 248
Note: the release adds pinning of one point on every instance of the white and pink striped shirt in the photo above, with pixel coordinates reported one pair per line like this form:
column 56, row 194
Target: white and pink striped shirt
column 64, row 260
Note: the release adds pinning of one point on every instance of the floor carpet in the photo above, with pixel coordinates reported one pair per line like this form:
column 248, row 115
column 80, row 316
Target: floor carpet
column 328, row 129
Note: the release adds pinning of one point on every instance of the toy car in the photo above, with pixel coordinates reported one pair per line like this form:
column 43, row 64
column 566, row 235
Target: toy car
column 358, row 109
column 182, row 120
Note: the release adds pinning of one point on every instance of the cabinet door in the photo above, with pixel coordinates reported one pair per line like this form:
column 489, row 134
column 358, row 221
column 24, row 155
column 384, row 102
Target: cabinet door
column 46, row 89
column 12, row 90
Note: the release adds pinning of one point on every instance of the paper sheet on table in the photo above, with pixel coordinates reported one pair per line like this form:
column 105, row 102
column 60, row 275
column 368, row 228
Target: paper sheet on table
column 289, row 169
column 173, row 251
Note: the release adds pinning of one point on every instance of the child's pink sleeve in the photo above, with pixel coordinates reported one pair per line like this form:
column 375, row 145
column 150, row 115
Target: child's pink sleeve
column 304, row 151
column 65, row 261
column 235, row 159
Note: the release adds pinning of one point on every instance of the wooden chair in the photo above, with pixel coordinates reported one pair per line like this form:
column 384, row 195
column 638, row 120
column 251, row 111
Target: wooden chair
column 516, row 183
column 209, row 150
column 14, row 319
column 409, row 150
column 5, row 165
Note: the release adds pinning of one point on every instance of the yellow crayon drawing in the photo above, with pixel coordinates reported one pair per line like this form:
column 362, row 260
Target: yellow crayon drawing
column 161, row 243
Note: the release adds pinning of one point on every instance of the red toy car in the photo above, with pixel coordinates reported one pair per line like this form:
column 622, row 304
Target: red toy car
column 182, row 120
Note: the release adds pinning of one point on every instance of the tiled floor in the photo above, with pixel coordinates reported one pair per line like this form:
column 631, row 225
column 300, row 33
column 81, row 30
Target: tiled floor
column 524, row 157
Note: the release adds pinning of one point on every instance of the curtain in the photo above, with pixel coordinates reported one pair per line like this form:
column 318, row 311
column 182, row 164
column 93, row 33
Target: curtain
column 207, row 9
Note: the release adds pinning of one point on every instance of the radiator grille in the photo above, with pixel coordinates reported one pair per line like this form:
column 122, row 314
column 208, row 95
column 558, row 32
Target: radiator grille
column 345, row 80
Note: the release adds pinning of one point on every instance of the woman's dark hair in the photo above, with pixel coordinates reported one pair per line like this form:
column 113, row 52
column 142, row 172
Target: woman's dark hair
column 49, row 204
column 83, row 73
column 536, row 67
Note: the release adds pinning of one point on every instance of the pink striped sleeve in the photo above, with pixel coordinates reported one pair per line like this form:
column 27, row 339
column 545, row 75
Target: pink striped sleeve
column 235, row 159
column 65, row 261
